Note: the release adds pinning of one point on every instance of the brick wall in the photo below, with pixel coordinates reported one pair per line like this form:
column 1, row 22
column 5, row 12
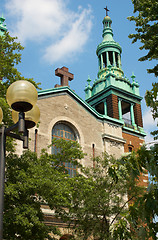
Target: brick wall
column 131, row 141
column 138, row 115
column 112, row 106
column 135, row 142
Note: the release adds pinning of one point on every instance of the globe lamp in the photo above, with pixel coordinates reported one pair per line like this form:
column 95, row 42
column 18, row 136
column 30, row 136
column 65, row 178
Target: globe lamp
column 21, row 96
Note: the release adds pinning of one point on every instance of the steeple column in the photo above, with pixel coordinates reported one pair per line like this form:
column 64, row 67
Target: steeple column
column 119, row 60
column 120, row 108
column 99, row 63
column 114, row 59
column 101, row 59
column 107, row 58
column 105, row 108
column 132, row 115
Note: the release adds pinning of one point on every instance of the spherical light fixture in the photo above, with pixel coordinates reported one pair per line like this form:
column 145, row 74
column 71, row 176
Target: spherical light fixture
column 1, row 115
column 31, row 117
column 21, row 96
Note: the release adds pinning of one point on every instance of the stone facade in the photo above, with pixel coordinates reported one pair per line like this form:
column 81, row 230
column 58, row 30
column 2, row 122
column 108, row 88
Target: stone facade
column 90, row 131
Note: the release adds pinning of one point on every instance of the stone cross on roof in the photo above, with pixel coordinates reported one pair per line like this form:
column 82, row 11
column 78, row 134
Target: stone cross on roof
column 64, row 75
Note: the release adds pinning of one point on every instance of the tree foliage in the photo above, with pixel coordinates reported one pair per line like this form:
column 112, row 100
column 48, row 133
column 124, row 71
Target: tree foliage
column 148, row 158
column 146, row 29
column 146, row 20
column 146, row 204
column 152, row 102
column 147, row 33
column 97, row 202
column 10, row 57
column 102, row 201
column 32, row 181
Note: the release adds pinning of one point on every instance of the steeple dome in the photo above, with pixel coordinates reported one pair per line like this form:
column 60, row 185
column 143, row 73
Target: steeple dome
column 3, row 27
column 107, row 31
column 109, row 51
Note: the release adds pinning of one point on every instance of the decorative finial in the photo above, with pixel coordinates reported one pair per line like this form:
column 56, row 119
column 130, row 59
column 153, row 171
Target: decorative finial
column 133, row 77
column 107, row 10
column 88, row 80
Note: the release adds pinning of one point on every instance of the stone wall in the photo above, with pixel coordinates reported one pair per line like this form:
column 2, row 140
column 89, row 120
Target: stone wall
column 89, row 130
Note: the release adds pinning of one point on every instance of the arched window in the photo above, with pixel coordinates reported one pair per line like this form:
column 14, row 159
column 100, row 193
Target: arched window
column 62, row 130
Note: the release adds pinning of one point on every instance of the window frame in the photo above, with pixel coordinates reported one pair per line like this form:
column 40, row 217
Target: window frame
column 63, row 130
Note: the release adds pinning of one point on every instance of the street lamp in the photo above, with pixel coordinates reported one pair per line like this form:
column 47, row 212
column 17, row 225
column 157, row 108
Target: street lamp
column 31, row 117
column 21, row 97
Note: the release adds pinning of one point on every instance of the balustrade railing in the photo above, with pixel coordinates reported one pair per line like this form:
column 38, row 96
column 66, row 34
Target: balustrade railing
column 128, row 123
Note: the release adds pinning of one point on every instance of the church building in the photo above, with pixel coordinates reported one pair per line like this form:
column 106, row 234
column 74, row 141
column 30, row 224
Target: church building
column 109, row 119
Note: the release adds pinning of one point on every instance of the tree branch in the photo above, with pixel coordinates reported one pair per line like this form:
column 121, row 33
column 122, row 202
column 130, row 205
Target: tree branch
column 121, row 209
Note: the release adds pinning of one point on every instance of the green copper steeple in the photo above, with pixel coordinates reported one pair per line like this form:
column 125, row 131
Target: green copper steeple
column 3, row 27
column 110, row 72
column 109, row 51
column 112, row 94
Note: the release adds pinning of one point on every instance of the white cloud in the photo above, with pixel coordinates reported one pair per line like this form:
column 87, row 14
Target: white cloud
column 149, row 125
column 149, row 138
column 51, row 21
column 73, row 41
column 37, row 19
column 148, row 120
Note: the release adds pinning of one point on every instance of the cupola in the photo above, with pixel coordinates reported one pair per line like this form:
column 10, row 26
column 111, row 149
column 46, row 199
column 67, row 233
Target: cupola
column 109, row 51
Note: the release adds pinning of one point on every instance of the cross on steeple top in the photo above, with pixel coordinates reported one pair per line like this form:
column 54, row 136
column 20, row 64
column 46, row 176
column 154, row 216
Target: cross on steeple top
column 107, row 10
column 64, row 75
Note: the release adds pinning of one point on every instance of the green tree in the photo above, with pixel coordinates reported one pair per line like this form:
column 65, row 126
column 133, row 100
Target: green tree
column 10, row 57
column 147, row 204
column 147, row 33
column 31, row 181
column 102, row 201
column 146, row 29
column 97, row 201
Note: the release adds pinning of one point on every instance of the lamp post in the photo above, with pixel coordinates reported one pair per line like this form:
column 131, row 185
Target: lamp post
column 21, row 97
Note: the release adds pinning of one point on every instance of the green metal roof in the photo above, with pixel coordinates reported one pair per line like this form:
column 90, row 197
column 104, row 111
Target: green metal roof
column 42, row 94
column 3, row 27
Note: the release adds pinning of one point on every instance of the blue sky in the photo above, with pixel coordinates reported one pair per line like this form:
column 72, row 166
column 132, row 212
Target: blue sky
column 58, row 33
